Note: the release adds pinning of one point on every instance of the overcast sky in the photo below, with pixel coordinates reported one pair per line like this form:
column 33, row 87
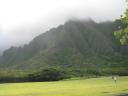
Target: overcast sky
column 22, row 20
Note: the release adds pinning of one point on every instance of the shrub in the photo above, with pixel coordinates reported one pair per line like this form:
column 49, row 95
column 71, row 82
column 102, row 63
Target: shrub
column 49, row 74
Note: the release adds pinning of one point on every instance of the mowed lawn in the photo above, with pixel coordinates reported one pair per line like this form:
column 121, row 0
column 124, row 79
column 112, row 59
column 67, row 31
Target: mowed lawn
column 104, row 86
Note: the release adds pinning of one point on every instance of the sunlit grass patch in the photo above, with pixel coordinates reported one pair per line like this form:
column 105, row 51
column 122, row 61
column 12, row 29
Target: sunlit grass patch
column 104, row 86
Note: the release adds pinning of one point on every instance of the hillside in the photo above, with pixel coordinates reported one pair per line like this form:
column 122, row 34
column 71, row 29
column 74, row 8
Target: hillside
column 76, row 44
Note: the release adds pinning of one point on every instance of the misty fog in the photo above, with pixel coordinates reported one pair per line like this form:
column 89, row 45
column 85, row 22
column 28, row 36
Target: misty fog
column 22, row 20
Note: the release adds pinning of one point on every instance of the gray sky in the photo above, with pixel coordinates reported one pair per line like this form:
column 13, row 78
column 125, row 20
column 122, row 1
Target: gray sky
column 22, row 20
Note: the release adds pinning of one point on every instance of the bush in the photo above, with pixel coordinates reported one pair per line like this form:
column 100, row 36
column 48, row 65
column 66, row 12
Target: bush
column 96, row 72
column 49, row 74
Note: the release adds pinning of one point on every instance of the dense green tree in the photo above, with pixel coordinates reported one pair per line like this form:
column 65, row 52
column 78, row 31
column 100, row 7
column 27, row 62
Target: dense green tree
column 48, row 74
column 122, row 32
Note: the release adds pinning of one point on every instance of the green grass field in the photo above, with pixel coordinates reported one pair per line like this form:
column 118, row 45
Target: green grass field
column 82, row 87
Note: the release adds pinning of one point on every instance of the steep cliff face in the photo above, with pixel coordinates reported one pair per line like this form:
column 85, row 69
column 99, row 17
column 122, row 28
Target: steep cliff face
column 76, row 43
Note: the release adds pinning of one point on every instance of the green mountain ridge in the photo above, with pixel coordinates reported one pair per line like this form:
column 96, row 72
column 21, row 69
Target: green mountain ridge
column 78, row 44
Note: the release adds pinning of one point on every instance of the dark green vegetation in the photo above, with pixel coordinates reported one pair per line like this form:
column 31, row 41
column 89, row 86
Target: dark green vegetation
column 49, row 74
column 80, row 48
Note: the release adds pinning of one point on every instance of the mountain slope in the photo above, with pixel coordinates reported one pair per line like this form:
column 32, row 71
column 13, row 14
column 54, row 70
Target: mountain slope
column 74, row 44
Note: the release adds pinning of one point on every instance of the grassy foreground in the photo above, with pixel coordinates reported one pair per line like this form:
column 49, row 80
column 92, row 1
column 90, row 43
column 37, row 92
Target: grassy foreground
column 83, row 87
